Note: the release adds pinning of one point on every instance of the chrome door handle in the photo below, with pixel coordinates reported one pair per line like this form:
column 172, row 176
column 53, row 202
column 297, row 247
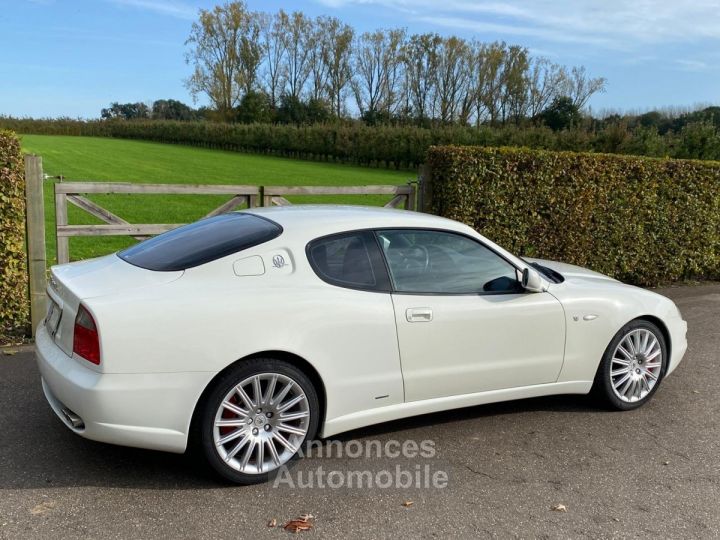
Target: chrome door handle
column 419, row 314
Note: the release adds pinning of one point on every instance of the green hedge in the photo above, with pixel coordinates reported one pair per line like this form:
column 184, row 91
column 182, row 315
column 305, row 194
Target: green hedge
column 14, row 309
column 402, row 147
column 641, row 220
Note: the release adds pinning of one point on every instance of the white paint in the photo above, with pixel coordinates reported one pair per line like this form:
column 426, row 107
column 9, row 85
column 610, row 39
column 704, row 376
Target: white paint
column 165, row 335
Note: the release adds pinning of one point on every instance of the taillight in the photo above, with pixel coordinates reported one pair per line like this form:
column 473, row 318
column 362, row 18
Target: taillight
column 86, row 342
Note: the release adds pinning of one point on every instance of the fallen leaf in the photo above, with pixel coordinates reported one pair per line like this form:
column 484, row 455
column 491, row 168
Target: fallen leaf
column 666, row 463
column 696, row 391
column 297, row 525
column 408, row 504
column 10, row 352
column 272, row 523
column 42, row 508
column 302, row 523
column 616, row 519
column 558, row 508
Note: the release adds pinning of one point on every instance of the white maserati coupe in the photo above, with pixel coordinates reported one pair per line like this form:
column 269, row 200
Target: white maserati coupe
column 251, row 332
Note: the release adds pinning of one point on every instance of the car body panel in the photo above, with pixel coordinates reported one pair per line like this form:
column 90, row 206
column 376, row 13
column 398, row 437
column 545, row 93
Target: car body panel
column 476, row 343
column 360, row 419
column 145, row 410
column 597, row 306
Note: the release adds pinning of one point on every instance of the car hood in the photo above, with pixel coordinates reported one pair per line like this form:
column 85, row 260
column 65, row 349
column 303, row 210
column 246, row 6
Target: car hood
column 570, row 271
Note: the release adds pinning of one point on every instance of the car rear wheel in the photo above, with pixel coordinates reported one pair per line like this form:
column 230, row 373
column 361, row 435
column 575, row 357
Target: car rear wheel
column 256, row 419
column 633, row 366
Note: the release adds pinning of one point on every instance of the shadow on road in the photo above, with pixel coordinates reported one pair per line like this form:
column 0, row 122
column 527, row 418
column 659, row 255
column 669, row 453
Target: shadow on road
column 564, row 403
column 38, row 451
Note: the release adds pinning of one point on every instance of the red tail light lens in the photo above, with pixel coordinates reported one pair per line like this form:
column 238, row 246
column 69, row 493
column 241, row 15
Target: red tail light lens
column 86, row 342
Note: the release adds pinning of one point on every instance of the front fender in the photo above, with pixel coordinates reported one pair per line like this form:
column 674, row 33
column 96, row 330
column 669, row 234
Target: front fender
column 595, row 310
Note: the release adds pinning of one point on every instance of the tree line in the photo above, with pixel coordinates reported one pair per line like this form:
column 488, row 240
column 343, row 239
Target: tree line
column 254, row 66
column 695, row 135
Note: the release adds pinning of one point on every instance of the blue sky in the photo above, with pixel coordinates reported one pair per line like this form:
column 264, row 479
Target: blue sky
column 73, row 57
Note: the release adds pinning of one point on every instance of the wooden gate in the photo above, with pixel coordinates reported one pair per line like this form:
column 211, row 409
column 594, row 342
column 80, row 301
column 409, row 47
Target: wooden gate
column 251, row 196
column 72, row 192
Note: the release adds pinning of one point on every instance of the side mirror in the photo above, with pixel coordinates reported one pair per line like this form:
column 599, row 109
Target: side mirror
column 532, row 281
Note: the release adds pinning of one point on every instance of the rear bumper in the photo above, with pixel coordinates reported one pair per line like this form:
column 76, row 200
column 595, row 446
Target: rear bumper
column 144, row 410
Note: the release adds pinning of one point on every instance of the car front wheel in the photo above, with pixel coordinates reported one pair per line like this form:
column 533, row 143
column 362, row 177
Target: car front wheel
column 632, row 366
column 256, row 419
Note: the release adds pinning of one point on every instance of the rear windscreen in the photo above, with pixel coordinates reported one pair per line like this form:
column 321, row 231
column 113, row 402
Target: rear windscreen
column 201, row 242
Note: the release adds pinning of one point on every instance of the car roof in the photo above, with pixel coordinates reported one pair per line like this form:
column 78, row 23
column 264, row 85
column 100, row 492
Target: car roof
column 327, row 218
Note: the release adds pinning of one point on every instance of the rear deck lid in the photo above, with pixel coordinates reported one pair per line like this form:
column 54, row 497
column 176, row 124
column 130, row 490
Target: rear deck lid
column 72, row 283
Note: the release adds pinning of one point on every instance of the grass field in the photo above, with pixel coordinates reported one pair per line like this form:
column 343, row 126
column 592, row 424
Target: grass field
column 101, row 159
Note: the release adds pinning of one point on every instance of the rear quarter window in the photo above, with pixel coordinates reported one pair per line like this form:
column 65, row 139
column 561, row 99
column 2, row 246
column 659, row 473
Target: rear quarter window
column 201, row 242
column 351, row 260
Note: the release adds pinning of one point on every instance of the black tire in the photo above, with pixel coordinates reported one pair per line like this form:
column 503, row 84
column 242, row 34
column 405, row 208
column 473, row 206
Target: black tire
column 603, row 387
column 222, row 387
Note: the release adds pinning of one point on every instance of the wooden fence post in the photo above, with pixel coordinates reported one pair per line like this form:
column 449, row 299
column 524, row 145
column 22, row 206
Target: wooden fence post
column 424, row 188
column 412, row 196
column 35, row 231
column 265, row 200
column 62, row 243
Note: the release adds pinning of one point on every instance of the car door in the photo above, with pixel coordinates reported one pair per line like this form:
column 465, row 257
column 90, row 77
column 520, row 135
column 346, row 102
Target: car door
column 349, row 326
column 464, row 323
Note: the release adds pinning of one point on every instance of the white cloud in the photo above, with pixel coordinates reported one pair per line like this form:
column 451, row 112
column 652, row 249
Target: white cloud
column 691, row 65
column 163, row 7
column 614, row 23
column 480, row 27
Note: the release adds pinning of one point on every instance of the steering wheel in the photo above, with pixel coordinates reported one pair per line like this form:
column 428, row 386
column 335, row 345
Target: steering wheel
column 414, row 258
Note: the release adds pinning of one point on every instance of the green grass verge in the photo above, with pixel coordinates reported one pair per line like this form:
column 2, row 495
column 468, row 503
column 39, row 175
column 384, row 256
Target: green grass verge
column 116, row 160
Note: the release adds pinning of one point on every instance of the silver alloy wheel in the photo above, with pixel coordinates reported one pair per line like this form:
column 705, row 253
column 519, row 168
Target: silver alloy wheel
column 261, row 423
column 636, row 365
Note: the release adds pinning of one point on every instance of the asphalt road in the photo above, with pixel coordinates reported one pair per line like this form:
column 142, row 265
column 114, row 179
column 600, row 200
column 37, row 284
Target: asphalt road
column 654, row 471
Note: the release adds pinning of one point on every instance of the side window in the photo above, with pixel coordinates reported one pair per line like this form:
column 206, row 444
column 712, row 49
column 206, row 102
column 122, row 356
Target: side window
column 351, row 260
column 422, row 261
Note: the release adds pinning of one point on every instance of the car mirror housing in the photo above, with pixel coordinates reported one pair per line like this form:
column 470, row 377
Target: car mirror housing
column 532, row 281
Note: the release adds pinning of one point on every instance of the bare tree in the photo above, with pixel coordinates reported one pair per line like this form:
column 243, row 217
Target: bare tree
column 421, row 62
column 514, row 83
column 318, row 68
column 298, row 43
column 469, row 92
column 337, row 39
column 251, row 52
column 394, row 71
column 546, row 81
column 490, row 58
column 579, row 87
column 451, row 77
column 225, row 54
column 374, row 61
column 273, row 42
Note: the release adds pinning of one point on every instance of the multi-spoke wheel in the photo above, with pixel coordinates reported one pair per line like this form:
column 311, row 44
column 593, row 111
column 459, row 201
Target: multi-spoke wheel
column 256, row 419
column 632, row 366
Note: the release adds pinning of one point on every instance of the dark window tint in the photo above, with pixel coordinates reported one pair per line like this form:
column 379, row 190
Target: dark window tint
column 201, row 242
column 350, row 260
column 438, row 262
